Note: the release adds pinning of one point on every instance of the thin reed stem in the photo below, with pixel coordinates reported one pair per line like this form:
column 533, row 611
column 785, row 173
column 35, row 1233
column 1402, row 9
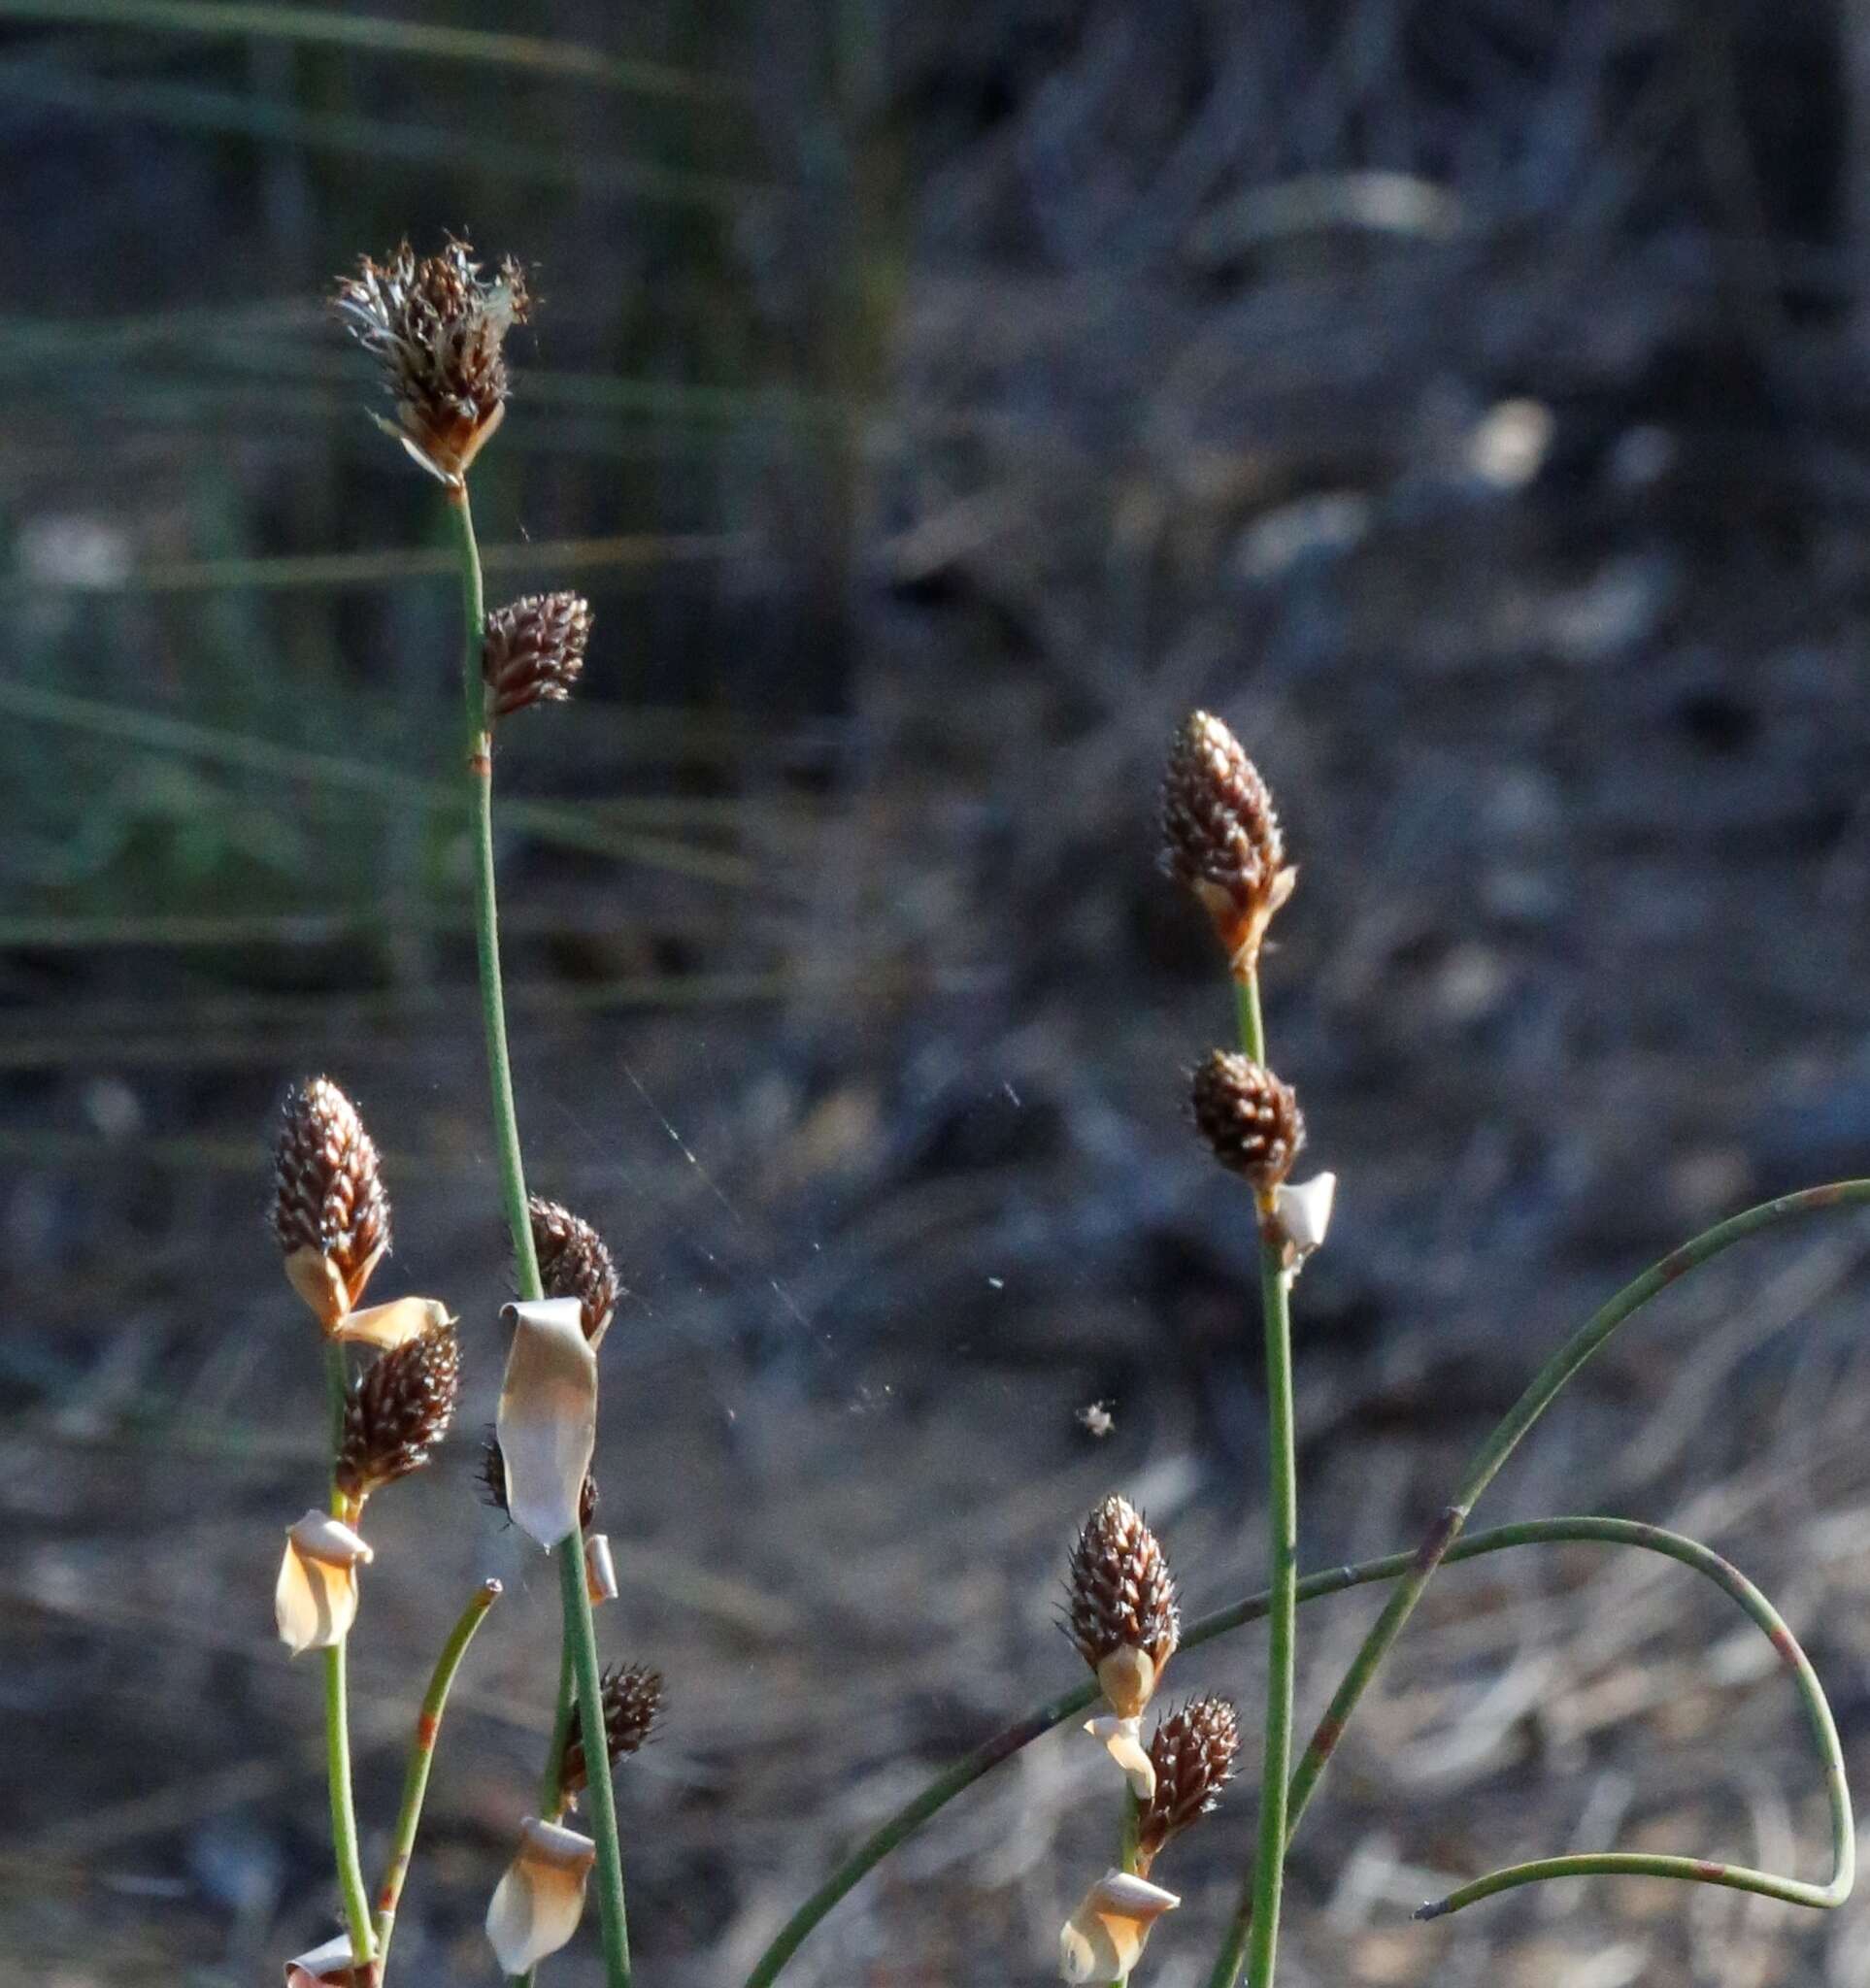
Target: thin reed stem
column 421, row 1756
column 551, row 1794
column 579, row 1637
column 337, row 1731
column 1506, row 1436
column 1252, row 1933
column 897, row 1828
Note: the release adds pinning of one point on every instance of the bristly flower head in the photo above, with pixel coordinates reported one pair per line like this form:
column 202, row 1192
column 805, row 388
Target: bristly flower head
column 574, row 1263
column 1249, row 1119
column 1121, row 1611
column 534, row 651
column 1220, row 837
column 398, row 1410
column 329, row 1210
column 1192, row 1752
column 436, row 326
column 493, row 1485
column 632, row 1704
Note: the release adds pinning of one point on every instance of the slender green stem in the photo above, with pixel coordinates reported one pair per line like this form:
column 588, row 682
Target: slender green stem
column 898, row 1827
column 579, row 1636
column 421, row 1756
column 1701, row 1870
column 551, row 1795
column 1248, row 1018
column 1252, row 1933
column 337, row 1732
column 1492, row 1454
column 486, row 903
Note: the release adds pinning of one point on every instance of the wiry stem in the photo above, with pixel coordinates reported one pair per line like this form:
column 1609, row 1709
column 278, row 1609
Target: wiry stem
column 337, row 1733
column 897, row 1828
column 1700, row 1869
column 1492, row 1454
column 551, row 1794
column 421, row 1756
column 1254, row 1930
column 579, row 1633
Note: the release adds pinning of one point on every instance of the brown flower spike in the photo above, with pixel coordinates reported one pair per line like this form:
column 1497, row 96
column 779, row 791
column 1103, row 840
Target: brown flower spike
column 1249, row 1119
column 534, row 651
column 1192, row 1752
column 329, row 1210
column 632, row 1704
column 436, row 326
column 397, row 1412
column 1222, row 839
column 493, row 1485
column 574, row 1263
column 1121, row 1615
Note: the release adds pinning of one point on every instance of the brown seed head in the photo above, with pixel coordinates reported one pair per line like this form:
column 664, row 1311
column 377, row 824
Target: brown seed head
column 1250, row 1119
column 329, row 1210
column 1122, row 1613
column 534, row 651
column 574, row 1263
column 1220, row 837
column 397, row 1411
column 493, row 1485
column 1192, row 1752
column 436, row 326
column 632, row 1704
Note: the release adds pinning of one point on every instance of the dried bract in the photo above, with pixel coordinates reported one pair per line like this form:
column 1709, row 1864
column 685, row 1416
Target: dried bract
column 314, row 1600
column 547, row 1419
column 1249, row 1119
column 574, row 1263
column 533, row 651
column 1220, row 837
column 1122, row 1613
column 330, row 1211
column 1192, row 1752
column 633, row 1700
column 398, row 1410
column 493, row 1485
column 437, row 327
column 1103, row 1939
column 536, row 1906
column 330, row 1966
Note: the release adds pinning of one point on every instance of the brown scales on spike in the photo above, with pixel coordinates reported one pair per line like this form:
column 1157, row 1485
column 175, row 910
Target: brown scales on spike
column 1220, row 837
column 329, row 1212
column 1249, row 1119
column 1192, row 1752
column 493, row 1485
column 632, row 1703
column 1122, row 1613
column 574, row 1263
column 397, row 1411
column 437, row 328
column 534, row 651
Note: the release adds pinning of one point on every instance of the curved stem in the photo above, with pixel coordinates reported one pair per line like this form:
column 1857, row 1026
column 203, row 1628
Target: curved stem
column 1701, row 1870
column 421, row 1756
column 579, row 1637
column 897, row 1828
column 337, row 1731
column 1489, row 1459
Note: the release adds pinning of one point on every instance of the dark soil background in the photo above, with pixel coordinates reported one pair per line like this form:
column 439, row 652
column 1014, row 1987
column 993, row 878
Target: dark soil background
column 1467, row 400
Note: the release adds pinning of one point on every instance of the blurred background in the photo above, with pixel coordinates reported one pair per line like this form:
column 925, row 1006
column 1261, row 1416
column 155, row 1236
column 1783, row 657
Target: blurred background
column 1467, row 401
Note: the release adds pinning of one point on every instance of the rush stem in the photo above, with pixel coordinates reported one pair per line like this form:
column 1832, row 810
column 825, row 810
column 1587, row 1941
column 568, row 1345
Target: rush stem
column 1252, row 1933
column 337, row 1730
column 580, row 1637
column 421, row 1756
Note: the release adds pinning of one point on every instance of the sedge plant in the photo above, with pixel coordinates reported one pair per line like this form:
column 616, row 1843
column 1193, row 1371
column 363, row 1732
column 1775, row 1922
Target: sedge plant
column 436, row 326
